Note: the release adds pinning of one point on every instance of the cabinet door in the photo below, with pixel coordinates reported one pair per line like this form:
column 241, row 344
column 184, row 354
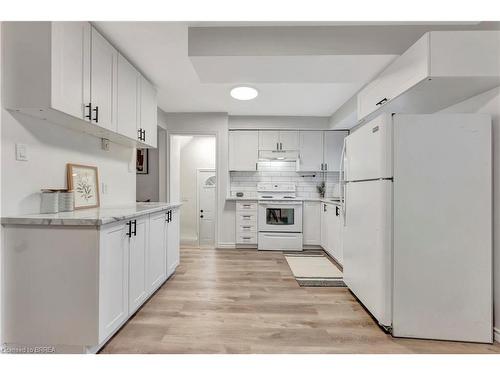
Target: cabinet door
column 103, row 82
column 157, row 251
column 148, row 112
column 333, row 142
column 173, row 238
column 337, row 241
column 127, row 98
column 311, row 150
column 330, row 231
column 70, row 72
column 137, row 261
column 289, row 140
column 113, row 278
column 243, row 150
column 324, row 226
column 312, row 223
column 269, row 140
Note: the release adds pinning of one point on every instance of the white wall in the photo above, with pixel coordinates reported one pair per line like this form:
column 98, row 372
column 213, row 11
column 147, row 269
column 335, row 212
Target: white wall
column 277, row 122
column 50, row 147
column 208, row 124
column 489, row 102
column 147, row 185
column 198, row 152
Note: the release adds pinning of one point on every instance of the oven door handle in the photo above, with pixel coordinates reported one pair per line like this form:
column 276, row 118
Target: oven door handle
column 280, row 204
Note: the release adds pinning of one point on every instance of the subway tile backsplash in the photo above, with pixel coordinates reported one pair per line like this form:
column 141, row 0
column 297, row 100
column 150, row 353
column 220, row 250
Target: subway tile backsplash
column 306, row 182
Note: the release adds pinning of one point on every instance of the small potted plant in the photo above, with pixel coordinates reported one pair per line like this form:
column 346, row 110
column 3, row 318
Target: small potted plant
column 321, row 189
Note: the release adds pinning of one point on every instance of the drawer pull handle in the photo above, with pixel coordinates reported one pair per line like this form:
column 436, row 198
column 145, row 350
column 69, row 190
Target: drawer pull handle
column 247, row 238
column 246, row 227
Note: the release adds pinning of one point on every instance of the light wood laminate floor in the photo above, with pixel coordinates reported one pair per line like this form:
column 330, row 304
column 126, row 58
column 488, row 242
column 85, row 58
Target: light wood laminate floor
column 245, row 301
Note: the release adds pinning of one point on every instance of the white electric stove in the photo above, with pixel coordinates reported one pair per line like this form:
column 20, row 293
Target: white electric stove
column 279, row 217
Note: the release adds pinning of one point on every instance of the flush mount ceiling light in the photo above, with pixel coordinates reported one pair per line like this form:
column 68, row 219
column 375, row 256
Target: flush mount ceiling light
column 244, row 93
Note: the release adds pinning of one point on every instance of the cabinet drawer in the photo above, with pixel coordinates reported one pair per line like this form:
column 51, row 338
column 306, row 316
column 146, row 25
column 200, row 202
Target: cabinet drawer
column 247, row 238
column 246, row 228
column 246, row 206
column 246, row 218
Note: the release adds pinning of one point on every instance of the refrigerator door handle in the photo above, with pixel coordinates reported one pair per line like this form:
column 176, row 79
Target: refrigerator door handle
column 342, row 180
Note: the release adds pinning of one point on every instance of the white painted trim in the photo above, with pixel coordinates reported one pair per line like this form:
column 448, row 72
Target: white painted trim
column 226, row 245
column 496, row 333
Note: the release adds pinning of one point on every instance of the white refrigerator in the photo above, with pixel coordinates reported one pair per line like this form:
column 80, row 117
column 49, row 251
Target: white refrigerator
column 417, row 204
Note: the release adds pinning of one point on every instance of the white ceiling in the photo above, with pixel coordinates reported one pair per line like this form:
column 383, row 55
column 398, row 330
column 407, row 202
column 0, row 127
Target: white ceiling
column 315, row 71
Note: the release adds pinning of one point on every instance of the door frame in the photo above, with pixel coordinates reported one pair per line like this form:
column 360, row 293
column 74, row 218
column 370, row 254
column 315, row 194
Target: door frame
column 168, row 180
column 198, row 170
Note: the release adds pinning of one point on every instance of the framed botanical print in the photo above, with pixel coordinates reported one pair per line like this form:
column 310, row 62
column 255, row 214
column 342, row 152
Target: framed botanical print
column 142, row 165
column 84, row 181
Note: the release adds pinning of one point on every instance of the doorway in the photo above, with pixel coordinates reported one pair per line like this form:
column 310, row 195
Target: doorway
column 192, row 181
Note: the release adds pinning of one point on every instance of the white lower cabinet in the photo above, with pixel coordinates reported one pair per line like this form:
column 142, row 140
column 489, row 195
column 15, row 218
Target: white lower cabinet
column 157, row 254
column 113, row 278
column 173, row 240
column 331, row 230
column 94, row 278
column 138, row 256
column 312, row 223
column 246, row 224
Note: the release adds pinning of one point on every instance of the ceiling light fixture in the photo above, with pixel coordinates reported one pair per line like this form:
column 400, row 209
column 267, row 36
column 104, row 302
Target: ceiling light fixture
column 244, row 93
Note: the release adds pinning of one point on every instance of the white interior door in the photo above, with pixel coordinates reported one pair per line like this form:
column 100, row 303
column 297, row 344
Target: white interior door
column 206, row 207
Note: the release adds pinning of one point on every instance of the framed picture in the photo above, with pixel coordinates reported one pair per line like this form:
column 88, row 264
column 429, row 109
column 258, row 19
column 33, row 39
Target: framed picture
column 142, row 165
column 84, row 181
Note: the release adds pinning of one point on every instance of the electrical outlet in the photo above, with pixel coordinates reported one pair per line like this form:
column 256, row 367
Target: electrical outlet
column 21, row 152
column 105, row 144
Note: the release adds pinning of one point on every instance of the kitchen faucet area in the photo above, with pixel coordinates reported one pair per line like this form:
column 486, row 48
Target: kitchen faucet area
column 253, row 184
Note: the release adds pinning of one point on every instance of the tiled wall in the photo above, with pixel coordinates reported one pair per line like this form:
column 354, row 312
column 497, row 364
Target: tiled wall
column 246, row 182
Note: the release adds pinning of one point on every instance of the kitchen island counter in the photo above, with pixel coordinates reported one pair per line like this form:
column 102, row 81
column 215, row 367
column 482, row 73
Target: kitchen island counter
column 91, row 216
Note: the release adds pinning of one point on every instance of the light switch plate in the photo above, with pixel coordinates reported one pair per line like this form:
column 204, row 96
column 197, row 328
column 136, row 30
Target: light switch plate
column 21, row 152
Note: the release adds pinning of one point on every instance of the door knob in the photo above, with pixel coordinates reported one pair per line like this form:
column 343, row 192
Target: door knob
column 201, row 216
column 201, row 210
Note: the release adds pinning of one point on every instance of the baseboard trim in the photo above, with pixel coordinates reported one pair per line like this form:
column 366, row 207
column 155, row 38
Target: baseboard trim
column 496, row 333
column 226, row 245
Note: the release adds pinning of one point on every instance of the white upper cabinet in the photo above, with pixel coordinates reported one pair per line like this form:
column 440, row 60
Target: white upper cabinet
column 67, row 73
column 440, row 69
column 127, row 98
column 269, row 140
column 278, row 140
column 148, row 113
column 103, row 82
column 311, row 150
column 333, row 143
column 243, row 150
column 289, row 140
column 70, row 73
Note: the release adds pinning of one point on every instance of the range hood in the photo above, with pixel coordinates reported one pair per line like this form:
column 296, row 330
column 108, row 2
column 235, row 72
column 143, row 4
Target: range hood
column 276, row 155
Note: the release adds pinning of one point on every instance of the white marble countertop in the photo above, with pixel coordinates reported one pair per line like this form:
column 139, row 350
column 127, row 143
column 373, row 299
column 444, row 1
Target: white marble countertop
column 91, row 216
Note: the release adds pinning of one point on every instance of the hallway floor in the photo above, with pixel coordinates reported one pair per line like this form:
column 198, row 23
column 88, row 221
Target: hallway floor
column 245, row 301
